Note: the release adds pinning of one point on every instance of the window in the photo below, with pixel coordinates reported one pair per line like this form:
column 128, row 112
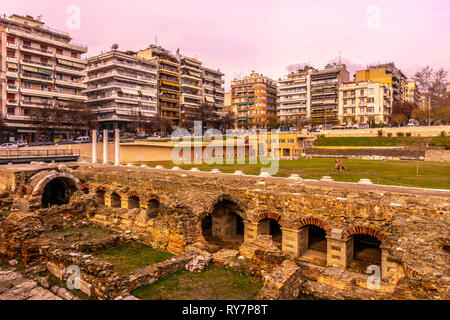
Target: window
column 26, row 43
column 44, row 87
column 44, row 60
column 73, row 55
column 27, row 85
column 59, row 51
column 11, row 111
column 11, row 39
column 370, row 100
column 11, row 54
column 371, row 90
column 27, row 57
column 26, row 112
column 44, row 47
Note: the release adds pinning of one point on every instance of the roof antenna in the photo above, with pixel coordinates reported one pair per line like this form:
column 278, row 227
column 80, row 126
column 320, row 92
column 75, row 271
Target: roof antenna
column 156, row 40
column 340, row 60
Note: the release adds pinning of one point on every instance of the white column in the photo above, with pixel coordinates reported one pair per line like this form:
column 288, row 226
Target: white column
column 105, row 146
column 116, row 147
column 94, row 146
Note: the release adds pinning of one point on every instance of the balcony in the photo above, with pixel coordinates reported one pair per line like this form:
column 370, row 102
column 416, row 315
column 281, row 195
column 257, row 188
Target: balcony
column 38, row 51
column 70, row 58
column 38, row 77
column 70, row 70
column 10, row 45
column 171, row 63
column 12, row 102
column 12, row 75
column 11, row 59
column 32, row 104
column 12, row 88
column 37, row 64
column 71, row 84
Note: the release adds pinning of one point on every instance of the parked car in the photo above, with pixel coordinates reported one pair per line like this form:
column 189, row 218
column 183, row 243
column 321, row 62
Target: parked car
column 64, row 142
column 83, row 140
column 22, row 144
column 9, row 145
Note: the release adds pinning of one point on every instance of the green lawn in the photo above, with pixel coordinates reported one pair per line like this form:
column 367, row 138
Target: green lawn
column 402, row 173
column 216, row 283
column 132, row 256
column 379, row 141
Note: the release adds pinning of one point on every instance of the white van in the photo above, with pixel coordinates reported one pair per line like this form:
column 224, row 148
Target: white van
column 83, row 140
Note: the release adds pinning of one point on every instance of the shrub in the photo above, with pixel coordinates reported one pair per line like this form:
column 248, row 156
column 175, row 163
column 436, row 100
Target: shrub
column 380, row 133
column 443, row 134
column 400, row 134
column 408, row 134
column 389, row 134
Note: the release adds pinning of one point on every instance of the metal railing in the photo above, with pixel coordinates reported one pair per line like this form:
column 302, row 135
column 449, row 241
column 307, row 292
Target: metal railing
column 46, row 153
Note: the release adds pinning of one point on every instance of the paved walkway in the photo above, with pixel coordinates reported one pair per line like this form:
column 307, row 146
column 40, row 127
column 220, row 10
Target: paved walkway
column 14, row 286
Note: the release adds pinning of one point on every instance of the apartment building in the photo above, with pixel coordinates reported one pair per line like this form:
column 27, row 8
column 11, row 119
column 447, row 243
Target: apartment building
column 411, row 93
column 385, row 73
column 213, row 89
column 324, row 93
column 169, row 87
column 199, row 86
column 294, row 97
column 365, row 102
column 254, row 99
column 122, row 89
column 39, row 66
column 447, row 87
column 191, row 88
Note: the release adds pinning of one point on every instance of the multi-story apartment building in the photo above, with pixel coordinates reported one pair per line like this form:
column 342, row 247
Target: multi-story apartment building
column 447, row 87
column 254, row 98
column 294, row 97
column 385, row 73
column 411, row 93
column 365, row 102
column 122, row 89
column 191, row 87
column 169, row 90
column 39, row 66
column 324, row 93
column 213, row 90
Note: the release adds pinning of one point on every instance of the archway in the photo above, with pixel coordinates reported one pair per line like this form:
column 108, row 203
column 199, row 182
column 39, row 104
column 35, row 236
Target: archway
column 133, row 202
column 58, row 191
column 269, row 226
column 100, row 197
column 313, row 246
column 152, row 208
column 366, row 252
column 85, row 190
column 116, row 201
column 224, row 226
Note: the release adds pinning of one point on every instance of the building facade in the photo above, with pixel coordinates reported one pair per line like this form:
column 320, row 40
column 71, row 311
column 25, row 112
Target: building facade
column 39, row 67
column 122, row 89
column 191, row 87
column 365, row 102
column 169, row 87
column 412, row 94
column 294, row 95
column 325, row 94
column 254, row 99
column 385, row 73
column 213, row 89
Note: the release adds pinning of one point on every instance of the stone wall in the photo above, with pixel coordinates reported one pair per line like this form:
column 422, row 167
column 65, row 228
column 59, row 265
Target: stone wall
column 437, row 155
column 432, row 131
column 387, row 153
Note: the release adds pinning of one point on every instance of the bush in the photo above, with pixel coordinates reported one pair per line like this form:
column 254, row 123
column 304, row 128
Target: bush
column 408, row 134
column 389, row 134
column 400, row 134
column 380, row 133
column 443, row 134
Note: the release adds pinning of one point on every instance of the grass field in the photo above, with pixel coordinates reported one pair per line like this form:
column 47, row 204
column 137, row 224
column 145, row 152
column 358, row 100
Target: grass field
column 402, row 173
column 132, row 256
column 379, row 141
column 216, row 283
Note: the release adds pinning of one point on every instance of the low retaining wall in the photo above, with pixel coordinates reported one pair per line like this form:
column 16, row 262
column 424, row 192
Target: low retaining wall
column 437, row 155
column 432, row 131
column 388, row 153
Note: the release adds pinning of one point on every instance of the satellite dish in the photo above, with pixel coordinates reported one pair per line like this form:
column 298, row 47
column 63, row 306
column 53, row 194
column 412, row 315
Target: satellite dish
column 115, row 46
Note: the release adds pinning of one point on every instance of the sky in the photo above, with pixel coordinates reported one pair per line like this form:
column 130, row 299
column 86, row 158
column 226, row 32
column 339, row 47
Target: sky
column 238, row 36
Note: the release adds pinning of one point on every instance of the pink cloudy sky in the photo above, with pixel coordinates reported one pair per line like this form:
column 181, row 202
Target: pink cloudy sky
column 266, row 36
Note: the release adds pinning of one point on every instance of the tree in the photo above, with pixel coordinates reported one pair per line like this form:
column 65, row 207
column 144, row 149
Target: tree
column 298, row 122
column 420, row 115
column 272, row 122
column 159, row 124
column 399, row 119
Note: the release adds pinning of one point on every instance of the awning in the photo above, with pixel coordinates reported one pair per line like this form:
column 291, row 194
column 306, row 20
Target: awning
column 170, row 83
column 65, row 62
column 30, row 69
column 12, row 65
column 209, row 99
column 148, row 94
column 46, row 72
column 148, row 104
column 78, row 65
column 130, row 91
column 124, row 112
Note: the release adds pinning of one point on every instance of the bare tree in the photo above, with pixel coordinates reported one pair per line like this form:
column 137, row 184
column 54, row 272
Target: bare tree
column 299, row 122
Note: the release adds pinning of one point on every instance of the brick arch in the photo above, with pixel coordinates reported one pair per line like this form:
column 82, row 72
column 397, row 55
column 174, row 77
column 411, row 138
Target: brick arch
column 271, row 215
column 100, row 188
column 84, row 186
column 354, row 230
column 40, row 185
column 151, row 197
column 315, row 222
column 133, row 194
column 209, row 208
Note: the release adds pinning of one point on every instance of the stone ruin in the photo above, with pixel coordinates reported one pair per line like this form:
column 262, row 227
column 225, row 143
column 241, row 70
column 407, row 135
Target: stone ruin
column 300, row 239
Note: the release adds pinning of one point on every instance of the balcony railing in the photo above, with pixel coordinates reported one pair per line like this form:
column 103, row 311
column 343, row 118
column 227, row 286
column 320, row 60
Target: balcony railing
column 37, row 62
column 37, row 49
